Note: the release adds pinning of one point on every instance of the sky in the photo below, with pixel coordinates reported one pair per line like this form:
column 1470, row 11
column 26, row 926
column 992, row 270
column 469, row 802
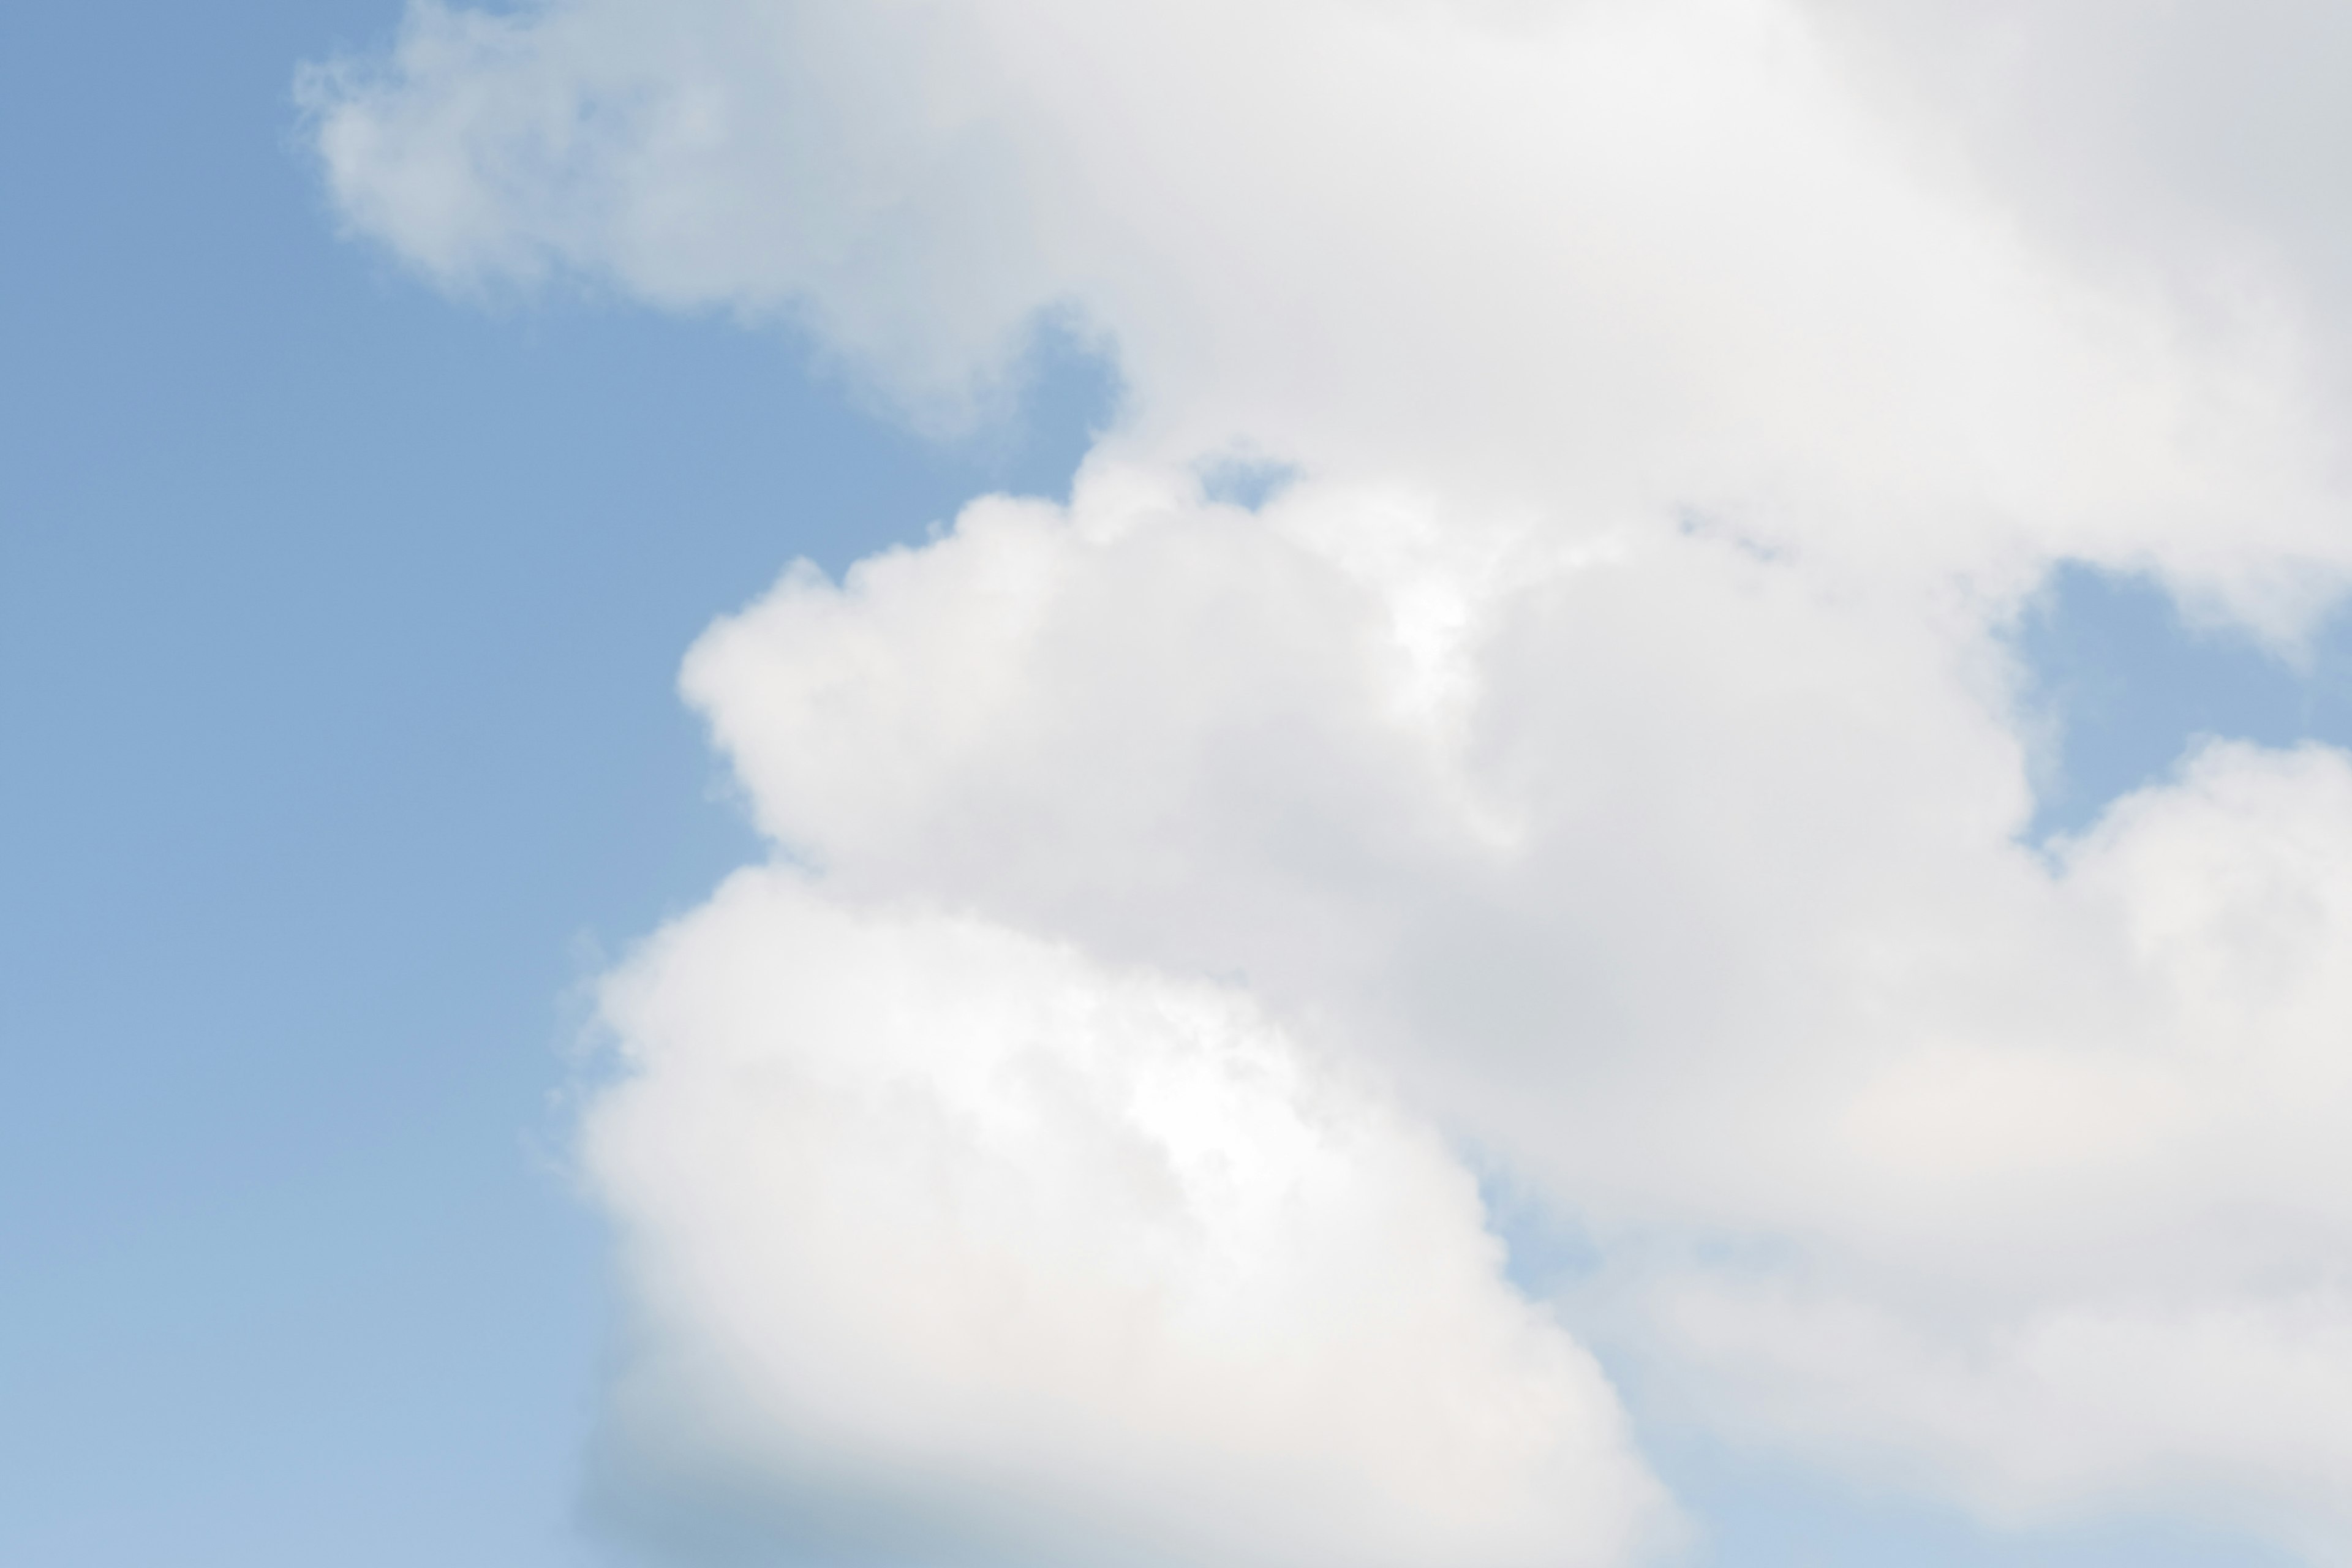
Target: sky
column 1549, row 784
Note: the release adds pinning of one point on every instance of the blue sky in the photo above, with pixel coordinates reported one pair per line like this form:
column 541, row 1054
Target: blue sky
column 340, row 626
column 342, row 629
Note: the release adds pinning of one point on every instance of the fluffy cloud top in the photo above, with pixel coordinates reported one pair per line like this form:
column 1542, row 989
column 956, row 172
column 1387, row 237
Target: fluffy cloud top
column 1606, row 743
column 1074, row 1265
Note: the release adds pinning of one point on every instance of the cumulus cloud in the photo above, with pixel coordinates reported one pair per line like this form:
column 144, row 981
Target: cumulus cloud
column 1697, row 895
column 1074, row 1264
column 1603, row 751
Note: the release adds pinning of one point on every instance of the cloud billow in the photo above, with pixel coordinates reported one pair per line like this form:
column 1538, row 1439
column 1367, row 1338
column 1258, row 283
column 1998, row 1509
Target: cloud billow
column 1603, row 750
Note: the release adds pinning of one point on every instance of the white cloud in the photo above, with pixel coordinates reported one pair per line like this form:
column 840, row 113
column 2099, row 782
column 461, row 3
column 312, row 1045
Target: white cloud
column 1619, row 257
column 1694, row 894
column 1608, row 735
column 1073, row 1263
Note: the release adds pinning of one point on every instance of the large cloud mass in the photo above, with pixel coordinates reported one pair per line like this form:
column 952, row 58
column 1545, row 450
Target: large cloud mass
column 1602, row 754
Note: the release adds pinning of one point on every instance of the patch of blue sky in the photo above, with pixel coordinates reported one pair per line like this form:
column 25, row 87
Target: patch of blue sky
column 2121, row 686
column 339, row 630
column 1244, row 480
